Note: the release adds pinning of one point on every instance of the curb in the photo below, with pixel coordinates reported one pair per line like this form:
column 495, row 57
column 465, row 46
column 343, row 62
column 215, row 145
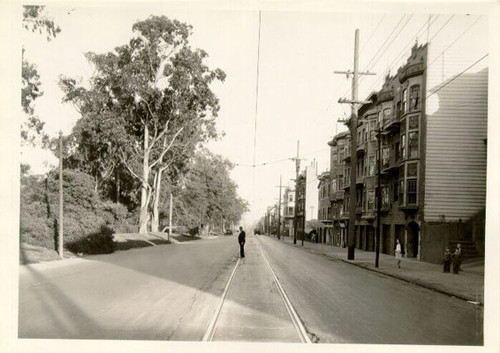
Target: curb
column 420, row 284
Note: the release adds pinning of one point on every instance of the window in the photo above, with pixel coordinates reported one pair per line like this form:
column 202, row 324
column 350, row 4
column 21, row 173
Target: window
column 401, row 191
column 403, row 147
column 404, row 98
column 411, row 191
column 385, row 196
column 413, row 144
column 395, row 192
column 396, row 151
column 415, row 98
column 371, row 199
column 385, row 157
column 334, row 185
column 371, row 163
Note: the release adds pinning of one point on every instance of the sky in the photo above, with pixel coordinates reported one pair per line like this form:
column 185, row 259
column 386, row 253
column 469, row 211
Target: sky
column 301, row 44
column 279, row 90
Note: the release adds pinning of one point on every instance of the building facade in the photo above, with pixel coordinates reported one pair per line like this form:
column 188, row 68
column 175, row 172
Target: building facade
column 325, row 231
column 432, row 159
column 288, row 211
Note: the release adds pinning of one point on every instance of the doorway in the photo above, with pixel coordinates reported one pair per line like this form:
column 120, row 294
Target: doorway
column 413, row 238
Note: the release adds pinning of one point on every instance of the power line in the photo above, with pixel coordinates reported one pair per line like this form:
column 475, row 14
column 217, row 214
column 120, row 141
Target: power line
column 380, row 48
column 257, row 90
column 278, row 160
column 373, row 33
column 456, row 39
column 402, row 53
column 457, row 76
column 439, row 31
column 390, row 44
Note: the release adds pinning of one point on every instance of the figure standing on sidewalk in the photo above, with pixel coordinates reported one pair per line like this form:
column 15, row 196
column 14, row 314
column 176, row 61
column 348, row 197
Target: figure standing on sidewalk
column 455, row 260
column 447, row 260
column 460, row 252
column 399, row 252
column 241, row 241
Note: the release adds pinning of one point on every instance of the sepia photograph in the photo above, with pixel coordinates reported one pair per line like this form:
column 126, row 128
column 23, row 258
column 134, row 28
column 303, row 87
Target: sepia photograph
column 250, row 176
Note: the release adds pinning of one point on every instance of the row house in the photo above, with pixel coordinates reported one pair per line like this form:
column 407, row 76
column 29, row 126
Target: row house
column 324, row 210
column 432, row 160
column 300, row 205
column 288, row 211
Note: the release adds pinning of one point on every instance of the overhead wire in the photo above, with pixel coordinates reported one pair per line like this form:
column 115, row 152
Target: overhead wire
column 456, row 40
column 434, row 36
column 402, row 53
column 457, row 76
column 390, row 44
column 380, row 48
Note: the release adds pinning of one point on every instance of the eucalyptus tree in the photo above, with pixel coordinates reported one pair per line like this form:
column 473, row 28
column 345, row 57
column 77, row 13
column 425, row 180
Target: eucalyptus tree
column 209, row 196
column 156, row 90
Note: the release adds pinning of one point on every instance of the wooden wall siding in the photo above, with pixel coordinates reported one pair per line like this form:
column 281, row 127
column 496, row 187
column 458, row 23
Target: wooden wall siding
column 455, row 178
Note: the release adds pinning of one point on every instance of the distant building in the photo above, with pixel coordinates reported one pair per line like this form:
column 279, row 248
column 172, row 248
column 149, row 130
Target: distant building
column 324, row 210
column 311, row 172
column 288, row 211
column 300, row 215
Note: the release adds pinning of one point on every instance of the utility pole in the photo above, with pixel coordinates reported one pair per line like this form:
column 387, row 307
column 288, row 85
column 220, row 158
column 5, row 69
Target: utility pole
column 170, row 217
column 279, row 210
column 351, row 241
column 61, row 220
column 297, row 160
column 379, row 195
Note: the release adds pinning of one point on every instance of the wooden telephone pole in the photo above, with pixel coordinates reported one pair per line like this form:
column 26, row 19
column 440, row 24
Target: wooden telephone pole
column 351, row 240
column 297, row 160
column 61, row 200
column 279, row 211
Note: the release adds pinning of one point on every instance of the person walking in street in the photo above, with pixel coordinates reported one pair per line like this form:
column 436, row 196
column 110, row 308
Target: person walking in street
column 241, row 241
column 398, row 252
column 447, row 260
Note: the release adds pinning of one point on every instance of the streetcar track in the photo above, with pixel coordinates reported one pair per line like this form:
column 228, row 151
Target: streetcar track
column 297, row 322
column 209, row 333
column 294, row 317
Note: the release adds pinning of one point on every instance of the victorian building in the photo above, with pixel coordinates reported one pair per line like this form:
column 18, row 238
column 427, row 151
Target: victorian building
column 431, row 140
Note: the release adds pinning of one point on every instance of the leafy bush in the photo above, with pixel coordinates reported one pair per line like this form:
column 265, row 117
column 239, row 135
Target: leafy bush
column 96, row 243
column 37, row 231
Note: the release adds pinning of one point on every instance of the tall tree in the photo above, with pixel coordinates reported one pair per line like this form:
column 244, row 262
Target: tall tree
column 35, row 20
column 157, row 90
column 208, row 195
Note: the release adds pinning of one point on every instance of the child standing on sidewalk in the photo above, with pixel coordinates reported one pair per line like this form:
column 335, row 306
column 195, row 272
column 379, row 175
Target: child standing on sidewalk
column 447, row 260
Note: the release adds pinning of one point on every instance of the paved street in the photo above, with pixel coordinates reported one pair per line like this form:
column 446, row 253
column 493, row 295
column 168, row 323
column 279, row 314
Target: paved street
column 179, row 291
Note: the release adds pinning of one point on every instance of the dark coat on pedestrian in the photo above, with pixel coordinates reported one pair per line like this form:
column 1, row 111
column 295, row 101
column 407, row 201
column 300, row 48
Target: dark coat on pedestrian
column 241, row 241
column 455, row 260
column 447, row 260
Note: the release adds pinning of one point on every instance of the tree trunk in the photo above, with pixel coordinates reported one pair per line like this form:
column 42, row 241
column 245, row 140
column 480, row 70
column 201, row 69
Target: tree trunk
column 155, row 222
column 144, row 215
column 117, row 185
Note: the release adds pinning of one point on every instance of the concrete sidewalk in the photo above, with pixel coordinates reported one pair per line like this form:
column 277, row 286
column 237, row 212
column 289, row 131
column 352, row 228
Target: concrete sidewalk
column 467, row 285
